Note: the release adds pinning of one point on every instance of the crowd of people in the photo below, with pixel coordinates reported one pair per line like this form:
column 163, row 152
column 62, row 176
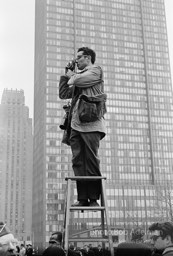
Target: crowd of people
column 55, row 248
column 160, row 243
column 10, row 246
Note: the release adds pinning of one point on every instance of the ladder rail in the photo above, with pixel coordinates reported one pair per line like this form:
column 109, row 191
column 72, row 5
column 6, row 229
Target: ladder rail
column 67, row 215
column 102, row 214
column 107, row 217
column 65, row 212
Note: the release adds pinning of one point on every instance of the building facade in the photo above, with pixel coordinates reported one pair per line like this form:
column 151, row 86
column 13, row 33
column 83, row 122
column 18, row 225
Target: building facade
column 16, row 164
column 130, row 40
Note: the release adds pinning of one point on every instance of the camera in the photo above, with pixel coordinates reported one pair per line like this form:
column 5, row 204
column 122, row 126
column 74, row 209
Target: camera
column 71, row 65
column 64, row 124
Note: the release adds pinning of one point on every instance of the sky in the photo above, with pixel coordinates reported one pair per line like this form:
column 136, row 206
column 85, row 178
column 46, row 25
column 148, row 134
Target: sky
column 17, row 21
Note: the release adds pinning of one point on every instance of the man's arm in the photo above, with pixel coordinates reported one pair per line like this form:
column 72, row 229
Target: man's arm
column 65, row 91
column 87, row 78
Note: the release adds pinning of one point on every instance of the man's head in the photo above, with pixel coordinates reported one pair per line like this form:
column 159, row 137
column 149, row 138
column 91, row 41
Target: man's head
column 71, row 247
column 55, row 239
column 6, row 239
column 161, row 235
column 99, row 247
column 86, row 247
column 85, row 57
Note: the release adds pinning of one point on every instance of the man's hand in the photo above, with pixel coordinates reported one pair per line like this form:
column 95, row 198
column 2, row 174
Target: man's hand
column 69, row 73
column 70, row 65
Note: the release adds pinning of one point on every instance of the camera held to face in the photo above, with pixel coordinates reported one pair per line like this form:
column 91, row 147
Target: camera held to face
column 71, row 65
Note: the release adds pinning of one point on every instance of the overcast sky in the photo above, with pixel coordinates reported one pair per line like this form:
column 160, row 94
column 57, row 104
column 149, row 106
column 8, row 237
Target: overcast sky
column 17, row 45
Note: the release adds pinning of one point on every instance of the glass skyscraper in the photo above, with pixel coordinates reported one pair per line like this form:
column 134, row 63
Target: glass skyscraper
column 130, row 40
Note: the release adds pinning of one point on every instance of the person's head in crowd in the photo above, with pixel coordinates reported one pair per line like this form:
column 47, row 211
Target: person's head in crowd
column 161, row 235
column 99, row 247
column 56, row 239
column 71, row 247
column 90, row 246
column 86, row 248
column 17, row 248
column 137, row 235
column 7, row 239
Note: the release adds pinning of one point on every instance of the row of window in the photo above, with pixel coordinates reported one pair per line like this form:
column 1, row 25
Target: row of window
column 55, row 158
column 132, row 125
column 131, row 139
column 141, row 149
column 128, row 97
column 133, row 194
column 132, row 168
column 155, row 11
column 139, row 191
column 60, row 174
column 93, row 2
column 133, row 111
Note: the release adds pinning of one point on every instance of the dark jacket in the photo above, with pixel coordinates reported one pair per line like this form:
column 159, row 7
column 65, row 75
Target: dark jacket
column 54, row 251
column 135, row 249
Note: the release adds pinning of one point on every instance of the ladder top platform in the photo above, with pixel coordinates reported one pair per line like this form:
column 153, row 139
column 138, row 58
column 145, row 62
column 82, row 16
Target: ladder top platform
column 86, row 178
column 87, row 208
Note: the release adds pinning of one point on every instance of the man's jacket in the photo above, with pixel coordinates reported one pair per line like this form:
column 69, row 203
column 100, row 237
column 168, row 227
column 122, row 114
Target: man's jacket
column 88, row 82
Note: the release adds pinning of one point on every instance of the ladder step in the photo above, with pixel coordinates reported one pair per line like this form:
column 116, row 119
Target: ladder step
column 86, row 178
column 88, row 239
column 87, row 208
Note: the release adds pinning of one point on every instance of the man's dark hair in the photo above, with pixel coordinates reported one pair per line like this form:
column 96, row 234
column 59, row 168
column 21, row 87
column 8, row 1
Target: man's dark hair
column 165, row 228
column 88, row 51
column 56, row 236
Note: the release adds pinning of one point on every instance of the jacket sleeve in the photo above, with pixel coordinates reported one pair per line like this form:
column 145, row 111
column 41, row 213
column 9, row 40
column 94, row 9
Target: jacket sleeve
column 87, row 78
column 65, row 90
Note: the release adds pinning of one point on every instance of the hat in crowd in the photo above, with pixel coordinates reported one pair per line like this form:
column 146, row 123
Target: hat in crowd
column 56, row 237
column 4, row 230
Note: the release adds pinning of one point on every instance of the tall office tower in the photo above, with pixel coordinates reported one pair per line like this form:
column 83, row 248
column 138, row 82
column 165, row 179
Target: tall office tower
column 16, row 164
column 130, row 40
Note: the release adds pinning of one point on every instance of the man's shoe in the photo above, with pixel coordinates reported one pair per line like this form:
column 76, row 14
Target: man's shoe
column 93, row 203
column 80, row 203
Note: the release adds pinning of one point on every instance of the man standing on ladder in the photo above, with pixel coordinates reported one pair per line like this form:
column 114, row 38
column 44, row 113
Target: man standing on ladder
column 85, row 133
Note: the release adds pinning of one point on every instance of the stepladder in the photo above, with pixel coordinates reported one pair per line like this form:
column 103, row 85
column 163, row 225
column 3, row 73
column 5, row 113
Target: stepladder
column 101, row 209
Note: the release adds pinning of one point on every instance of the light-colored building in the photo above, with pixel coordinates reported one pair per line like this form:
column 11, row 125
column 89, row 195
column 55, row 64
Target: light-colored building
column 16, row 164
column 130, row 40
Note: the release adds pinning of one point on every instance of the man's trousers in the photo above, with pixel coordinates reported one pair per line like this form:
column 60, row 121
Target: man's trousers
column 85, row 162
